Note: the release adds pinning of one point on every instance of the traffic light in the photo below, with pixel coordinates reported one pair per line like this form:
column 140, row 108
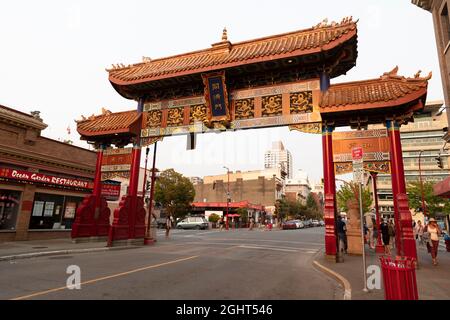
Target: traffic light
column 149, row 184
column 439, row 162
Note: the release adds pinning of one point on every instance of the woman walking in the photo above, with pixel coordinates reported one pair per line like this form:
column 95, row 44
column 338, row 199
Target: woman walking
column 384, row 228
column 433, row 229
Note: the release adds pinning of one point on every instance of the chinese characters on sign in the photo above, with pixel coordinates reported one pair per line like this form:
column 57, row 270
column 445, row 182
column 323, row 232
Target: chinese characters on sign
column 216, row 96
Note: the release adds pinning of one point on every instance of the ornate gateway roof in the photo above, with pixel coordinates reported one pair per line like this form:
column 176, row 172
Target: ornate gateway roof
column 377, row 95
column 322, row 45
column 110, row 124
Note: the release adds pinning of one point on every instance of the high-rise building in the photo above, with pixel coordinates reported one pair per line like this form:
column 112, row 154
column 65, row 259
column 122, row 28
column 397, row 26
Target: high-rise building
column 440, row 11
column 279, row 157
column 422, row 137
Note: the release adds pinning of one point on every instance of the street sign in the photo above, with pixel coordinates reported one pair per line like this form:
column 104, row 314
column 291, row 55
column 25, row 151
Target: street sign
column 358, row 165
column 357, row 153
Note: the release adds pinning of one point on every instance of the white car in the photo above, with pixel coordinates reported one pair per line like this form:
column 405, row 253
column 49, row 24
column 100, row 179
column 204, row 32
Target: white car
column 299, row 224
column 193, row 223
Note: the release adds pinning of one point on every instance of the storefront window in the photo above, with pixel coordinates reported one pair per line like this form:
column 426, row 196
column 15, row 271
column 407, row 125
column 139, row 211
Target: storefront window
column 53, row 211
column 9, row 209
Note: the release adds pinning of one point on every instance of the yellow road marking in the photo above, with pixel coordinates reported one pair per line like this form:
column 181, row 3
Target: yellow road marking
column 105, row 278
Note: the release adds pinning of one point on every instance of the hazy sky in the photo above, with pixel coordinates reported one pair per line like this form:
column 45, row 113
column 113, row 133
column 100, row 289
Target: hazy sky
column 53, row 56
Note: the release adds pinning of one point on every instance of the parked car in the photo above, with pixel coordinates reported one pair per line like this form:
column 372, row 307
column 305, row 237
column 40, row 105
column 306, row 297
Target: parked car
column 193, row 223
column 322, row 223
column 307, row 223
column 315, row 223
column 299, row 224
column 288, row 225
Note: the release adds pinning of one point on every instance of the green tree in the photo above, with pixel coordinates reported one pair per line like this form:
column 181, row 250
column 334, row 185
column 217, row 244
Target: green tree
column 433, row 203
column 311, row 202
column 349, row 191
column 175, row 193
column 243, row 214
column 213, row 218
column 282, row 209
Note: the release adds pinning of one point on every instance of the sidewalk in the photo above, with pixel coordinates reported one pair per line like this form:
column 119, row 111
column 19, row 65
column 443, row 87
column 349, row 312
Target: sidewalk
column 35, row 248
column 433, row 282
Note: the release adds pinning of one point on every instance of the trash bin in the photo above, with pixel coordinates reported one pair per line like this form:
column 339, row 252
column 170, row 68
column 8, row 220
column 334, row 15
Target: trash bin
column 399, row 278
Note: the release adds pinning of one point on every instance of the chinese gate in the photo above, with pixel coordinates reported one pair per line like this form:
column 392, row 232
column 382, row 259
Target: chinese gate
column 281, row 80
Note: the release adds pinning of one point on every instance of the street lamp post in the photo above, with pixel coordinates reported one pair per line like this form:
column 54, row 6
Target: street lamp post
column 379, row 248
column 148, row 239
column 228, row 197
column 421, row 183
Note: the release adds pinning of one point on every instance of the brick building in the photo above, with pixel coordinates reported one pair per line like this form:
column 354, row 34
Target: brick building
column 42, row 181
column 260, row 187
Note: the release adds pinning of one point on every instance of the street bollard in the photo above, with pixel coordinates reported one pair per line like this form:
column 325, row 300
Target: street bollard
column 399, row 278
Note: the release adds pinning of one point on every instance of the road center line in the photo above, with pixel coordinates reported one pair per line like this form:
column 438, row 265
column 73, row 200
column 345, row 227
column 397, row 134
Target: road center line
column 266, row 248
column 105, row 278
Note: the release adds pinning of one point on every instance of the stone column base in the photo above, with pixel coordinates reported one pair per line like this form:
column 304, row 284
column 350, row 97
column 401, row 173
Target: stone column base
column 354, row 242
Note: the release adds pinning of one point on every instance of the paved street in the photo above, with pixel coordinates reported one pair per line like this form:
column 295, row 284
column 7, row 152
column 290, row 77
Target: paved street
column 190, row 265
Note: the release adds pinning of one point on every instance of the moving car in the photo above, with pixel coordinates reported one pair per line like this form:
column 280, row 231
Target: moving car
column 193, row 223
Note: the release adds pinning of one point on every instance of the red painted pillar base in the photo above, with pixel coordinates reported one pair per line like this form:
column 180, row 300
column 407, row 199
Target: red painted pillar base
column 407, row 233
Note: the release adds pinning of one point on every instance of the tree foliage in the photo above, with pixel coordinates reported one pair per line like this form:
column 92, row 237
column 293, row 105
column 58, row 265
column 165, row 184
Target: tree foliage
column 288, row 209
column 349, row 191
column 175, row 193
column 433, row 203
column 243, row 214
column 213, row 218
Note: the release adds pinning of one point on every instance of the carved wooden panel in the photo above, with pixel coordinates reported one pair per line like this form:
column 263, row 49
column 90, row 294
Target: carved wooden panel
column 272, row 105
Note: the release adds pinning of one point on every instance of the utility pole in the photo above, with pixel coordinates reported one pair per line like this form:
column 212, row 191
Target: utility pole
column 421, row 183
column 228, row 198
column 148, row 239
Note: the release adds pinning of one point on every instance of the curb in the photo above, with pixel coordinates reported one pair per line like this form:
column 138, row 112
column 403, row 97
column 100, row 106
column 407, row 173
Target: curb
column 62, row 252
column 344, row 282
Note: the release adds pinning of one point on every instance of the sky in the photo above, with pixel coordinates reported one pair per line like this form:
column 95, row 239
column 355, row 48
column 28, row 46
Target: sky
column 53, row 56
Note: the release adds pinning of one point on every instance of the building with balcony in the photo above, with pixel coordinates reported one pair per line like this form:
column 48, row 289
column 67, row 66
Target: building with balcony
column 424, row 134
column 439, row 10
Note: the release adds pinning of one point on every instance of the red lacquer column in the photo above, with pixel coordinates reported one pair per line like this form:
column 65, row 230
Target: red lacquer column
column 133, row 188
column 405, row 243
column 330, row 192
column 97, row 192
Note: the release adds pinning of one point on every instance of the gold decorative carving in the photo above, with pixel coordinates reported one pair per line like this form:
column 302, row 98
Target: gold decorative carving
column 301, row 102
column 245, row 108
column 315, row 128
column 272, row 105
column 150, row 140
column 198, row 113
column 154, row 118
column 175, row 117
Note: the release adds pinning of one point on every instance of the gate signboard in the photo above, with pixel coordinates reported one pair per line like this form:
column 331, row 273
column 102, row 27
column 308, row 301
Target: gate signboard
column 370, row 147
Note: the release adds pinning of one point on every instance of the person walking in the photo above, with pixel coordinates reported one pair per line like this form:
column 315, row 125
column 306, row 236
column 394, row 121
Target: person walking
column 391, row 234
column 385, row 236
column 221, row 223
column 433, row 229
column 419, row 232
column 342, row 234
column 252, row 222
column 168, row 225
column 369, row 225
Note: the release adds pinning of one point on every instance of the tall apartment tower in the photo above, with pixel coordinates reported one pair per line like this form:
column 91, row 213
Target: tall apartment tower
column 279, row 156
